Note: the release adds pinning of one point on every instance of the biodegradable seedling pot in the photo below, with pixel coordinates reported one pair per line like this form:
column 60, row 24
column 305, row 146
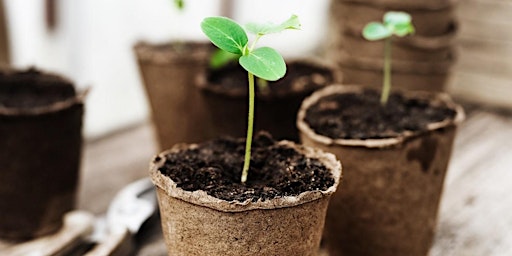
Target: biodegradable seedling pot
column 428, row 23
column 170, row 72
column 407, row 5
column 40, row 145
column 225, row 95
column 413, row 49
column 392, row 185
column 196, row 223
column 407, row 75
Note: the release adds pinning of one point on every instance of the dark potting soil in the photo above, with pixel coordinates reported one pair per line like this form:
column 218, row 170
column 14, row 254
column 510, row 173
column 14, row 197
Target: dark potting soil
column 300, row 77
column 32, row 88
column 361, row 116
column 216, row 166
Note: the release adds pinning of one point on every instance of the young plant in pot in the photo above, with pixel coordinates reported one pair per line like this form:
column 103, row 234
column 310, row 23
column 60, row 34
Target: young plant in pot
column 395, row 148
column 244, row 197
column 169, row 72
column 40, row 144
column 420, row 62
column 277, row 101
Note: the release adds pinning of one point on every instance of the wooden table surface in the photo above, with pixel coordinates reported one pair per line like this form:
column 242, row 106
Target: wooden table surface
column 476, row 209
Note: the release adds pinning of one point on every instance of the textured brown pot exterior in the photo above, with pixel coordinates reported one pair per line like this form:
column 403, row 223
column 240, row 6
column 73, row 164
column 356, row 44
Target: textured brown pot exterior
column 40, row 151
column 195, row 223
column 406, row 75
column 406, row 50
column 273, row 113
column 170, row 73
column 408, row 5
column 431, row 23
column 391, row 189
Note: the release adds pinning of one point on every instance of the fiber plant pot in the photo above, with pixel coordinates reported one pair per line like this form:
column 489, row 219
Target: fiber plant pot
column 40, row 145
column 392, row 185
column 427, row 22
column 406, row 75
column 170, row 72
column 199, row 222
column 415, row 48
column 225, row 94
column 408, row 5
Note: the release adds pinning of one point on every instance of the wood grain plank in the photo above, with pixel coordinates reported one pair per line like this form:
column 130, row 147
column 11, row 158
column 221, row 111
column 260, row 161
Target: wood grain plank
column 474, row 214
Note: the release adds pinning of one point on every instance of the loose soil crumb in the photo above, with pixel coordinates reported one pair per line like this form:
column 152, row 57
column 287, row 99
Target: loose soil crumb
column 275, row 171
column 361, row 116
column 31, row 88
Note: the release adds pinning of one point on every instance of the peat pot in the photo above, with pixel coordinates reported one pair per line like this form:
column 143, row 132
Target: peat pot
column 196, row 222
column 170, row 72
column 225, row 95
column 40, row 147
column 430, row 76
column 391, row 185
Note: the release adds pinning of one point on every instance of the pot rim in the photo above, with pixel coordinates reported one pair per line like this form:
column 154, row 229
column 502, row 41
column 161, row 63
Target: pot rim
column 161, row 53
column 438, row 98
column 201, row 198
column 77, row 99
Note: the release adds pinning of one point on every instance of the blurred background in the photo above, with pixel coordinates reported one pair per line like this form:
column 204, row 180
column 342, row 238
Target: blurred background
column 92, row 42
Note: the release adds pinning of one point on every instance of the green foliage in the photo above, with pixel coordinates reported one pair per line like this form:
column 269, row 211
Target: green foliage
column 268, row 28
column 264, row 62
column 394, row 23
column 225, row 34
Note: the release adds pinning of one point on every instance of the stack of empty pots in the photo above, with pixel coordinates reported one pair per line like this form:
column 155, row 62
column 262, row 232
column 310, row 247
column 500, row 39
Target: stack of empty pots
column 420, row 62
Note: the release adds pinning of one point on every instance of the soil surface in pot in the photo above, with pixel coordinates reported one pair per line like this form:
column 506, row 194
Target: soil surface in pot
column 361, row 116
column 300, row 77
column 32, row 88
column 276, row 170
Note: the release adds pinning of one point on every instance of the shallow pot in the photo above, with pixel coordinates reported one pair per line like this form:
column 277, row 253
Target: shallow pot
column 392, row 186
column 275, row 108
column 170, row 72
column 195, row 223
column 40, row 147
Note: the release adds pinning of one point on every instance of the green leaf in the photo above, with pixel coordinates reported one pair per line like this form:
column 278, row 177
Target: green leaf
column 403, row 30
column 220, row 58
column 376, row 31
column 399, row 23
column 225, row 34
column 265, row 63
column 268, row 28
column 397, row 18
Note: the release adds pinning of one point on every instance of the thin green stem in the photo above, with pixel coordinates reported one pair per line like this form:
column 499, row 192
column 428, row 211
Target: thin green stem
column 386, row 83
column 250, row 122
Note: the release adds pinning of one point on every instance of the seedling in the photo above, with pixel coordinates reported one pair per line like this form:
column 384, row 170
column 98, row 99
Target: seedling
column 394, row 23
column 264, row 62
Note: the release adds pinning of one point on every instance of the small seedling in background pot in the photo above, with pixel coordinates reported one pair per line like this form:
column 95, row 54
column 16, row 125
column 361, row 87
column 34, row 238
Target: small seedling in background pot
column 264, row 62
column 394, row 23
